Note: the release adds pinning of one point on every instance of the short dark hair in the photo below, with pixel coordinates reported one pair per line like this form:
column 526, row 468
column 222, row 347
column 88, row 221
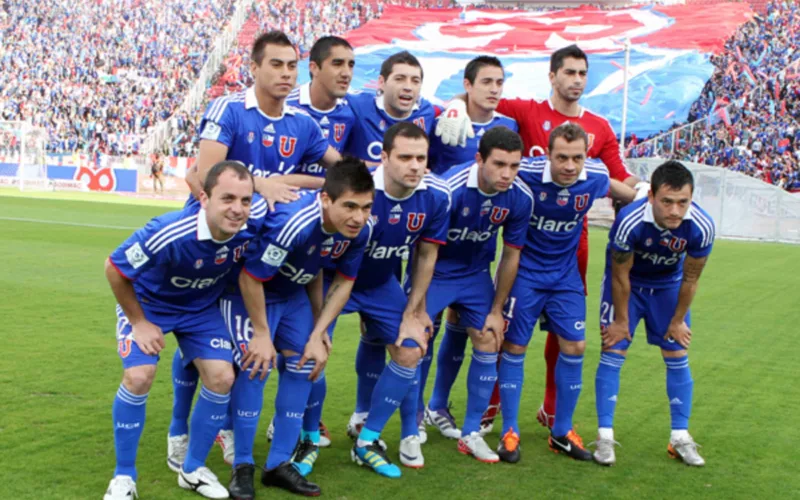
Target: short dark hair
column 673, row 174
column 569, row 132
column 573, row 51
column 347, row 174
column 238, row 168
column 404, row 57
column 475, row 65
column 502, row 138
column 269, row 38
column 321, row 49
column 402, row 129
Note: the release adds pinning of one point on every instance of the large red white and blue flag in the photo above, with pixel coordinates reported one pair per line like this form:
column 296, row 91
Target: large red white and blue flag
column 669, row 62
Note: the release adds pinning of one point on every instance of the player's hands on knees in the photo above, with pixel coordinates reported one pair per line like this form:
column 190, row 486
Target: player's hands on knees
column 680, row 333
column 495, row 326
column 615, row 333
column 326, row 341
column 148, row 337
column 260, row 356
column 316, row 350
column 415, row 328
column 276, row 191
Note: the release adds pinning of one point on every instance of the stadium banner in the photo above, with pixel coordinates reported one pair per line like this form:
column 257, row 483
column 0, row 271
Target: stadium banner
column 670, row 63
column 83, row 178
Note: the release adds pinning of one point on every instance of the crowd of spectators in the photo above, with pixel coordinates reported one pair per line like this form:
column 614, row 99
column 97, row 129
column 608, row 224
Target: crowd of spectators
column 98, row 74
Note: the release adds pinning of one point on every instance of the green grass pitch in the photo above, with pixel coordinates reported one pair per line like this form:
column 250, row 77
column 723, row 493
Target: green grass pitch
column 59, row 372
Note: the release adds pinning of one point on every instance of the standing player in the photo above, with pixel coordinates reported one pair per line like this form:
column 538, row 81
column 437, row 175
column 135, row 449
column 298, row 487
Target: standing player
column 411, row 209
column 569, row 68
column 564, row 185
column 167, row 277
column 486, row 195
column 281, row 294
column 483, row 83
column 398, row 100
column 331, row 63
column 258, row 128
column 657, row 249
column 157, row 171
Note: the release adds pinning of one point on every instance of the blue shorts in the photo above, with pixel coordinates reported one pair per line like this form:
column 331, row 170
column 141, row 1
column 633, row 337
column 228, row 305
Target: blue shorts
column 290, row 323
column 470, row 296
column 655, row 306
column 381, row 308
column 564, row 310
column 200, row 335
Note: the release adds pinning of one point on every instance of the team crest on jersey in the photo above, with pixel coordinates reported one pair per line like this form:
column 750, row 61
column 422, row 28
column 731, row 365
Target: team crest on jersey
column 581, row 202
column 251, row 136
column 382, row 125
column 420, row 122
column 221, row 256
column 674, row 243
column 287, row 145
column 339, row 248
column 547, row 125
column 311, row 249
column 338, row 131
column 542, row 196
column 486, row 206
column 648, row 242
column 267, row 140
column 198, row 263
column 326, row 133
column 395, row 214
column 465, row 212
column 325, row 250
column 499, row 214
column 563, row 198
column 415, row 221
column 591, row 141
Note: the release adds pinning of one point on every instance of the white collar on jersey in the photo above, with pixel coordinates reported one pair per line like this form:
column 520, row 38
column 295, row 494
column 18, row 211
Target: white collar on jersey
column 304, row 98
column 380, row 184
column 550, row 103
column 472, row 180
column 251, row 102
column 495, row 115
column 204, row 232
column 547, row 176
column 380, row 104
column 649, row 217
column 322, row 216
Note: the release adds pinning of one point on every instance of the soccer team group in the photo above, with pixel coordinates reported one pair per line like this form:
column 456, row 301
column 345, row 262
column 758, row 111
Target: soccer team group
column 282, row 234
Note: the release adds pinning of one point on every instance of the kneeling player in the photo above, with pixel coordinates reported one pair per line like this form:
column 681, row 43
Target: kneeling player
column 656, row 251
column 564, row 184
column 167, row 277
column 486, row 195
column 281, row 295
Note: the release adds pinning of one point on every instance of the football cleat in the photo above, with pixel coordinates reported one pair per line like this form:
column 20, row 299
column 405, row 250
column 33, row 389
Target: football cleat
column 225, row 442
column 474, row 445
column 287, row 476
column 121, row 488
column 686, row 450
column 571, row 445
column 411, row 452
column 605, row 454
column 176, row 451
column 374, row 457
column 242, row 485
column 444, row 421
column 354, row 429
column 508, row 448
column 203, row 481
column 544, row 418
column 271, row 430
column 324, row 436
column 487, row 420
column 422, row 429
column 305, row 456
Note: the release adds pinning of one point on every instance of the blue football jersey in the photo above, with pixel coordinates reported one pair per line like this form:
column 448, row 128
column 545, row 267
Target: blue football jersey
column 372, row 120
column 289, row 252
column 175, row 264
column 549, row 258
column 659, row 252
column 336, row 123
column 442, row 157
column 476, row 218
column 267, row 146
column 399, row 224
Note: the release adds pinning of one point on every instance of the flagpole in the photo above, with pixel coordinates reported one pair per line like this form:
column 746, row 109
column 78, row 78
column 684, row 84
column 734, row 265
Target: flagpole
column 627, row 44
